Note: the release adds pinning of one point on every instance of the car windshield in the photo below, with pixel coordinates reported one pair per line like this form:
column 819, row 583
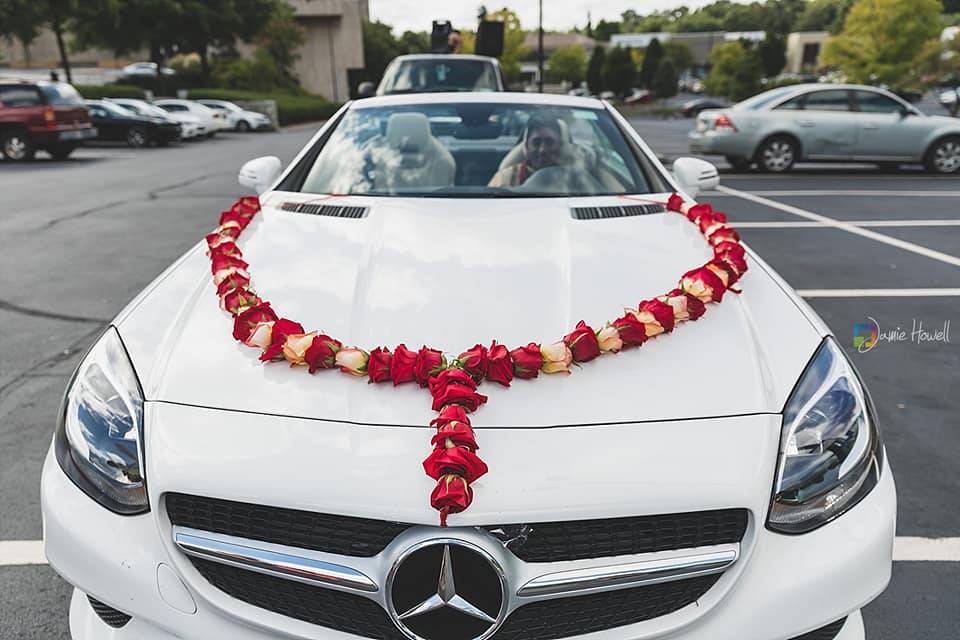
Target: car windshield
column 427, row 76
column 144, row 109
column 475, row 150
column 114, row 109
column 60, row 94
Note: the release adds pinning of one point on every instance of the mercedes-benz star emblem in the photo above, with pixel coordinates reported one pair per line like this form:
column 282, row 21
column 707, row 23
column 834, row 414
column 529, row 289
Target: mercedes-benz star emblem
column 428, row 603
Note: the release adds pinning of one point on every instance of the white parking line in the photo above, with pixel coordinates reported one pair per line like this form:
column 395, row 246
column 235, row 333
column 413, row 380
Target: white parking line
column 878, row 293
column 845, row 226
column 853, row 193
column 809, row 224
column 905, row 549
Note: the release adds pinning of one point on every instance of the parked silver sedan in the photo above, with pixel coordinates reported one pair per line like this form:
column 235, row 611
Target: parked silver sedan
column 827, row 123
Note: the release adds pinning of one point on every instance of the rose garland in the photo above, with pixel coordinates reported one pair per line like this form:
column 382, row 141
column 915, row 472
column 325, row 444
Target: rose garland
column 454, row 463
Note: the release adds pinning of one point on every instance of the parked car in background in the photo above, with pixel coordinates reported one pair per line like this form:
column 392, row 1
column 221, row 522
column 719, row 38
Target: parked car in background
column 692, row 108
column 116, row 123
column 41, row 115
column 835, row 123
column 190, row 125
column 212, row 120
column 146, row 70
column 950, row 99
column 637, row 96
column 431, row 73
column 238, row 118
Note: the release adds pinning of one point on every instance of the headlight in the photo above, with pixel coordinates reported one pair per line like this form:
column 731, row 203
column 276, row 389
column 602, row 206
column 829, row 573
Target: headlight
column 100, row 428
column 830, row 451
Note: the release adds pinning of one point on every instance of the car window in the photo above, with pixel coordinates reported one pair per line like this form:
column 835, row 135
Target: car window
column 172, row 107
column 425, row 76
column 97, row 111
column 763, row 99
column 60, row 94
column 832, row 100
column 871, row 102
column 20, row 96
column 475, row 150
column 793, row 104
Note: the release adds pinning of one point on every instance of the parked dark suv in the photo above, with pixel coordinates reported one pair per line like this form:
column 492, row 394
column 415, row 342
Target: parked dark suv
column 41, row 115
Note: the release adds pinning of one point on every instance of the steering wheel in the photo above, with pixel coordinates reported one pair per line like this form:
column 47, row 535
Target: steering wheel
column 558, row 180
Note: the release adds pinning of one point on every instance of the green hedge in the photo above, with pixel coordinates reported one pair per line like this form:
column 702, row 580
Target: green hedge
column 98, row 92
column 291, row 108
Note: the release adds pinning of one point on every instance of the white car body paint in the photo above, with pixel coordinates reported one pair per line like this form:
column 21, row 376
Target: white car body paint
column 689, row 422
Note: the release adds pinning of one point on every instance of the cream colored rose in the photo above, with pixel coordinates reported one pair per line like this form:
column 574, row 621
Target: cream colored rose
column 650, row 324
column 557, row 358
column 609, row 339
column 679, row 305
column 352, row 360
column 223, row 274
column 697, row 288
column 261, row 335
column 296, row 345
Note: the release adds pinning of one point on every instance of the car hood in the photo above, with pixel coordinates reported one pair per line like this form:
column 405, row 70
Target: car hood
column 451, row 273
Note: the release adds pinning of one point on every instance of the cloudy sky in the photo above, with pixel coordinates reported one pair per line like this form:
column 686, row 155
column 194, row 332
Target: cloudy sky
column 417, row 15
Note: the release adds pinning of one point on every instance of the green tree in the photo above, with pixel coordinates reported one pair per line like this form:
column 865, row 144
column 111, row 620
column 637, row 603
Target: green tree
column 567, row 63
column 735, row 71
column 680, row 54
column 894, row 42
column 773, row 54
column 823, row 15
column 651, row 60
column 22, row 19
column 414, row 42
column 666, row 79
column 595, row 70
column 619, row 72
column 513, row 37
column 605, row 29
column 379, row 48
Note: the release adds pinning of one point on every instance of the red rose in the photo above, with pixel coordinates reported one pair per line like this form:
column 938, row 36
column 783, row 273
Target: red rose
column 704, row 284
column 247, row 320
column 697, row 210
column 527, row 361
column 236, row 300
column 675, row 202
column 228, row 248
column 661, row 311
column 378, row 367
column 724, row 271
column 457, row 434
column 450, row 415
column 219, row 263
column 723, row 234
column 232, row 216
column 695, row 308
column 583, row 343
column 632, row 331
column 459, row 394
column 322, row 352
column 735, row 262
column 451, row 495
column 499, row 364
column 247, row 206
column 281, row 329
column 235, row 280
column 428, row 361
column 474, row 361
column 451, row 376
column 458, row 460
column 710, row 222
column 403, row 365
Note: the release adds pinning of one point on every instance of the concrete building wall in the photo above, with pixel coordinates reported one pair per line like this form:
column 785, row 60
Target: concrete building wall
column 804, row 49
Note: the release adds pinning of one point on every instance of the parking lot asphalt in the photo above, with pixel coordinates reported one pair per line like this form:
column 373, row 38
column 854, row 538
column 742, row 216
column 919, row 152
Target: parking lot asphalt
column 79, row 238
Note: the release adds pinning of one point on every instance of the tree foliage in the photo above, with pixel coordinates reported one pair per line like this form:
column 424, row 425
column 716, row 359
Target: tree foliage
column 380, row 47
column 665, row 81
column 595, row 70
column 823, row 15
column 894, row 42
column 651, row 60
column 679, row 53
column 567, row 64
column 513, row 37
column 619, row 72
column 773, row 54
column 735, row 71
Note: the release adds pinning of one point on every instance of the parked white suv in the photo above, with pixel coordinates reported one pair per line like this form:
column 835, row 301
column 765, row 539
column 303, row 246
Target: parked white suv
column 213, row 121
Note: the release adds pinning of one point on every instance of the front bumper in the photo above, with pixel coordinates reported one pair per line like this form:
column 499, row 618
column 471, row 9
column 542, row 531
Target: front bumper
column 782, row 587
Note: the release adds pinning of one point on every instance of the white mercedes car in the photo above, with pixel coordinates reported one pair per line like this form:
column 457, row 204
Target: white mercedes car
column 724, row 480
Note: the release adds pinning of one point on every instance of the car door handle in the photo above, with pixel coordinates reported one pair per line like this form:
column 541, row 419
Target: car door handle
column 805, row 123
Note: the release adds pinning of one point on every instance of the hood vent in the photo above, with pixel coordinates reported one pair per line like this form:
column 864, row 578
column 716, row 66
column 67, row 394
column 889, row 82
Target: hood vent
column 600, row 213
column 333, row 210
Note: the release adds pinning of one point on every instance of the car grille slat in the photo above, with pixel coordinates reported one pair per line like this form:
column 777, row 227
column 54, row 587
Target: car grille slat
column 110, row 616
column 828, row 632
column 329, row 210
column 304, row 529
column 582, row 539
column 544, row 620
column 602, row 213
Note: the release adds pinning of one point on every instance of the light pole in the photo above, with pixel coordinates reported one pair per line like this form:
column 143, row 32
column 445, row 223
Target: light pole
column 540, row 51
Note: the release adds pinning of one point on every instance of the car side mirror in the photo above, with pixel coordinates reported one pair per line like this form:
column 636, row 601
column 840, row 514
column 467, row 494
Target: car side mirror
column 260, row 173
column 695, row 175
column 366, row 89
